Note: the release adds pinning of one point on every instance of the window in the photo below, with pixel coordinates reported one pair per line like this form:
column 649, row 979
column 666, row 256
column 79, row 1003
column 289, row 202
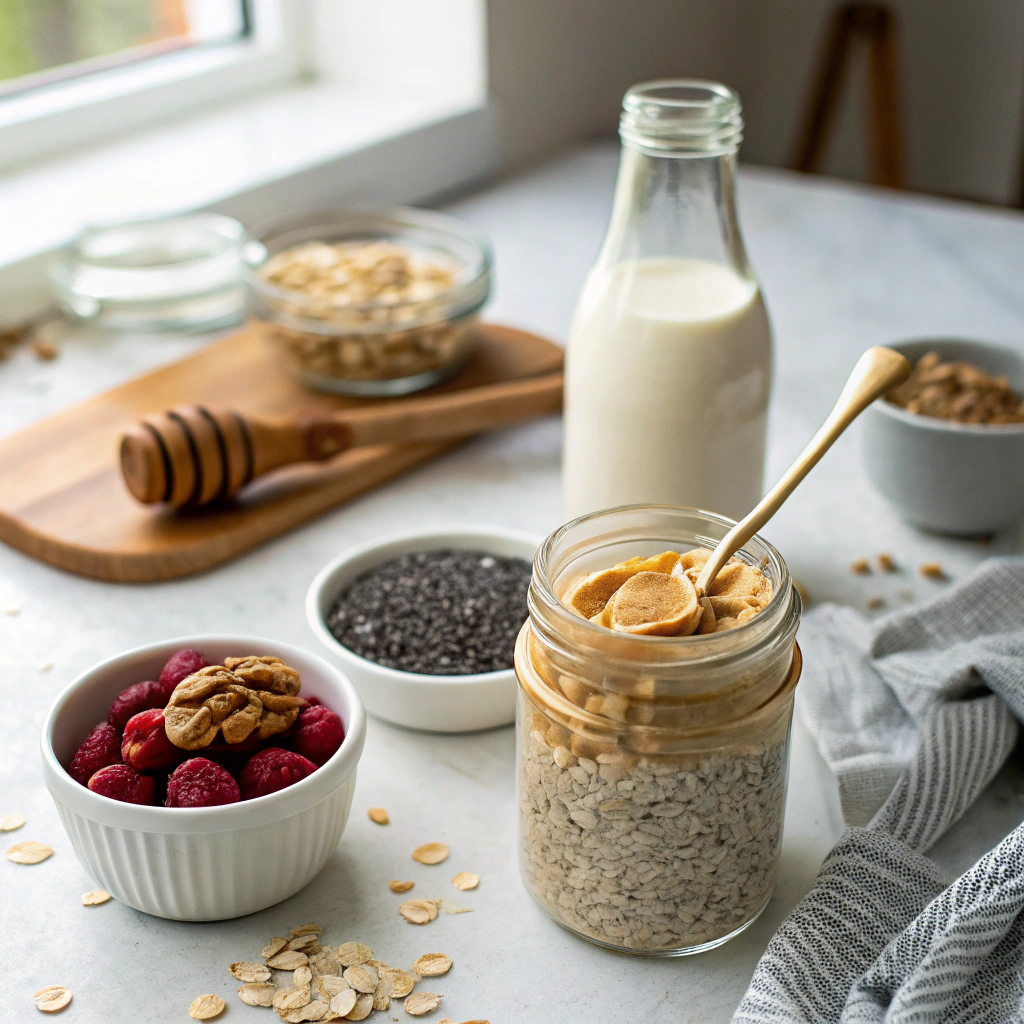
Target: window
column 47, row 41
column 74, row 71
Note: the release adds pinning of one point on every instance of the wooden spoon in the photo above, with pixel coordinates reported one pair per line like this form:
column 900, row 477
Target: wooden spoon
column 193, row 454
column 876, row 372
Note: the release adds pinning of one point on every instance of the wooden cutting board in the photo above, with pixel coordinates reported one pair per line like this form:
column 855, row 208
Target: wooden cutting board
column 62, row 498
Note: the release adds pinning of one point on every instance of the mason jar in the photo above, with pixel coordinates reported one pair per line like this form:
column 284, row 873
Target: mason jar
column 651, row 776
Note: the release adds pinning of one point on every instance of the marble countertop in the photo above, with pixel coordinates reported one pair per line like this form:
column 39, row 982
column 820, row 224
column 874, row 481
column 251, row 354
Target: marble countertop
column 842, row 268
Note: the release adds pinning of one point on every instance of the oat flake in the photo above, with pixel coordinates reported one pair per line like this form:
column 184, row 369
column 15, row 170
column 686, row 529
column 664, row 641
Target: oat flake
column 95, row 898
column 29, row 852
column 273, row 947
column 418, row 911
column 431, row 965
column 397, row 886
column 52, row 998
column 288, row 960
column 308, row 929
column 206, row 1007
column 303, row 941
column 302, row 976
column 11, row 821
column 344, row 1002
column 247, row 971
column 466, row 880
column 420, row 1003
column 257, row 995
column 352, row 954
column 430, row 853
column 378, row 815
column 362, row 1009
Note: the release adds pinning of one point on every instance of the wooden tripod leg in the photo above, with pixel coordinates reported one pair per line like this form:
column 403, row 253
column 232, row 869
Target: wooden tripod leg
column 886, row 134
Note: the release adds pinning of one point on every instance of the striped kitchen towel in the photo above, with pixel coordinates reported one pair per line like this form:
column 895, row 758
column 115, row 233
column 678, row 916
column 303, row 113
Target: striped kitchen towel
column 914, row 713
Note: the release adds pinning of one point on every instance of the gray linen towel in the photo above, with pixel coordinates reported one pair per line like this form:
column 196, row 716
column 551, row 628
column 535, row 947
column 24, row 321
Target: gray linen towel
column 914, row 713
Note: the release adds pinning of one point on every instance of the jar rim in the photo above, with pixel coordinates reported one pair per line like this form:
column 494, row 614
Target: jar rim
column 712, row 644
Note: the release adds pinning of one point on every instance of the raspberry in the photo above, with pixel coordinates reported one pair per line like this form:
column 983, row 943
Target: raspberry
column 318, row 734
column 120, row 782
column 179, row 666
column 314, row 702
column 101, row 747
column 273, row 769
column 137, row 697
column 145, row 745
column 198, row 782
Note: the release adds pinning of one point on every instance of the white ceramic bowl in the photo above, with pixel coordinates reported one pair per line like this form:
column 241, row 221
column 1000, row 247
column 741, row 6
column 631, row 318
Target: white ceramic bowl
column 202, row 863
column 954, row 478
column 414, row 700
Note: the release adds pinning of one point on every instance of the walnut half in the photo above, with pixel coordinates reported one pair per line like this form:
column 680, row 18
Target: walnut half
column 215, row 699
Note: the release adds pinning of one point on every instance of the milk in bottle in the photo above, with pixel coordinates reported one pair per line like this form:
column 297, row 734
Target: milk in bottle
column 669, row 359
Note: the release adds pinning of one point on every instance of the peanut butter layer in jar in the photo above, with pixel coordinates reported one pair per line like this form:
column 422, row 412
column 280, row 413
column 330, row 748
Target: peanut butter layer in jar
column 653, row 730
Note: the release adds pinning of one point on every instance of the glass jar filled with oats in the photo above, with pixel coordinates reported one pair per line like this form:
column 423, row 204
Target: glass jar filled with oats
column 369, row 301
column 652, row 768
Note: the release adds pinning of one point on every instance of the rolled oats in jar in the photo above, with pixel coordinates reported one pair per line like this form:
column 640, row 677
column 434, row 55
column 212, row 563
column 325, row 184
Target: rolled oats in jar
column 652, row 768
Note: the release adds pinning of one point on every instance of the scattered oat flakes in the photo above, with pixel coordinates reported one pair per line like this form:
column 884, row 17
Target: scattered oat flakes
column 383, row 992
column 363, row 1008
column 95, row 898
column 303, row 941
column 432, row 965
column 352, row 954
column 395, row 886
column 308, row 929
column 247, row 971
column 46, row 666
column 876, row 602
column 206, row 1007
column 378, row 815
column 418, row 911
column 288, row 960
column 52, row 998
column 466, row 880
column 257, row 995
column 343, row 1002
column 860, row 566
column 12, row 821
column 302, row 976
column 328, row 986
column 362, row 978
column 887, row 563
column 430, row 853
column 273, row 947
column 29, row 852
column 933, row 571
column 402, row 982
column 420, row 1003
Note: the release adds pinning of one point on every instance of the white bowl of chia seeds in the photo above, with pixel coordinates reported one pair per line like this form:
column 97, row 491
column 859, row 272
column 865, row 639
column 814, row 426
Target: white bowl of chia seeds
column 424, row 624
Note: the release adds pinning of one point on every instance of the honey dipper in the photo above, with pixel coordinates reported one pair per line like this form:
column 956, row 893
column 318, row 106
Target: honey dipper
column 191, row 455
column 876, row 372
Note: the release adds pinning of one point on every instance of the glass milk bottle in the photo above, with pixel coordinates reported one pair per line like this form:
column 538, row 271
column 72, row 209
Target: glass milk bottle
column 668, row 369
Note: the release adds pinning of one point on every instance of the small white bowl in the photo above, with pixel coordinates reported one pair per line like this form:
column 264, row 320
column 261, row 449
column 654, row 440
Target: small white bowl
column 433, row 703
column 202, row 863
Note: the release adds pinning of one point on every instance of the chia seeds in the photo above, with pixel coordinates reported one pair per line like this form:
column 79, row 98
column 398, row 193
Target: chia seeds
column 442, row 613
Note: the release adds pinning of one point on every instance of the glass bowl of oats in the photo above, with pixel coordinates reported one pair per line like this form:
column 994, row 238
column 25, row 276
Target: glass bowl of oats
column 368, row 300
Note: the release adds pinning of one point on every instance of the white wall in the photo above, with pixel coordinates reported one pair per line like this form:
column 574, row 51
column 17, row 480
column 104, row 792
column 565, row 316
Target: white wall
column 558, row 69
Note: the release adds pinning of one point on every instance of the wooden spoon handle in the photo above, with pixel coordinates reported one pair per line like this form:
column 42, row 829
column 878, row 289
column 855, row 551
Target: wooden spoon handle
column 876, row 372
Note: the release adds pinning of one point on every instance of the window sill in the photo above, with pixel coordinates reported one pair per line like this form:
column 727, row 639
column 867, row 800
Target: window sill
column 290, row 151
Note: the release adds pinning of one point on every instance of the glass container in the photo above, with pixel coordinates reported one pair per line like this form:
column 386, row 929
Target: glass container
column 652, row 771
column 160, row 274
column 399, row 341
column 668, row 369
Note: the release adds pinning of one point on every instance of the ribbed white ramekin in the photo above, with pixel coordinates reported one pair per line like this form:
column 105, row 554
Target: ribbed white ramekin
column 203, row 863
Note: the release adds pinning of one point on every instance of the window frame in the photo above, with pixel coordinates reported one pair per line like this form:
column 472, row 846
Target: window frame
column 78, row 111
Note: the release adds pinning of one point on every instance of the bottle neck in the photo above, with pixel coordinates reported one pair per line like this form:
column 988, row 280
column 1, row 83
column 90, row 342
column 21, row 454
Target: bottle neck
column 672, row 206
